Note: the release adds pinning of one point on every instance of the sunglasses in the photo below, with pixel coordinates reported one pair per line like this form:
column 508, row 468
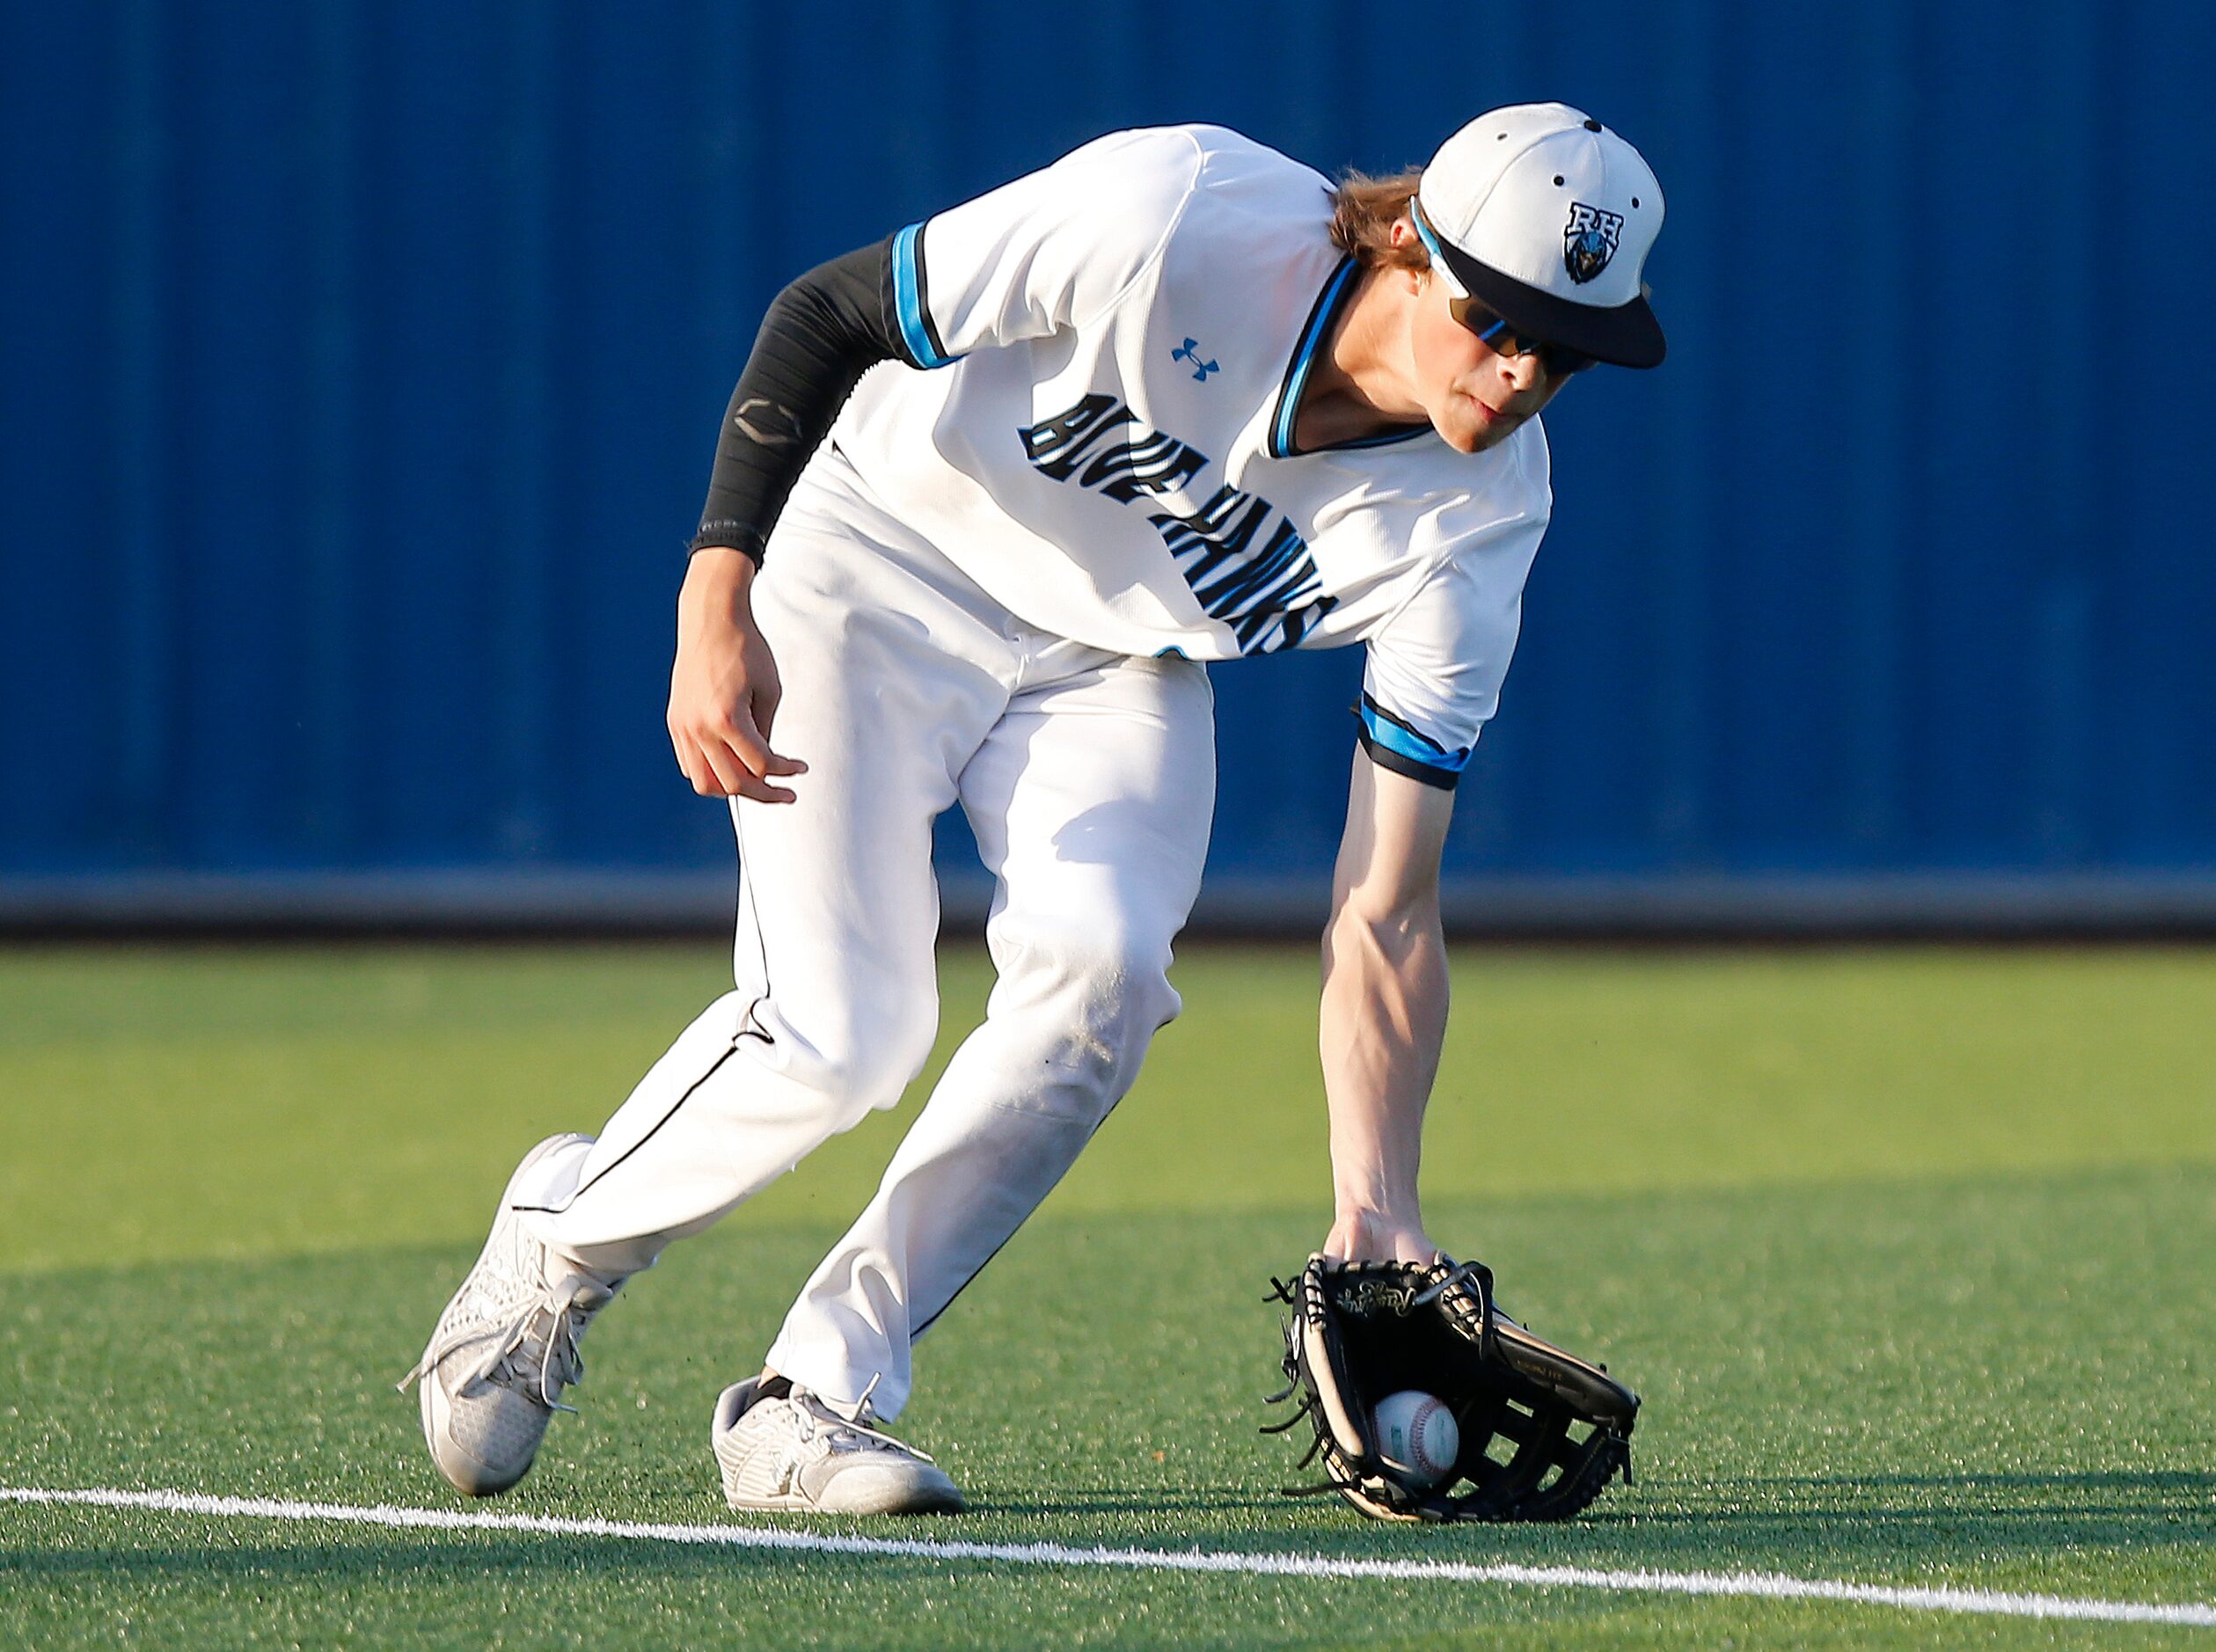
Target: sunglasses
column 1558, row 361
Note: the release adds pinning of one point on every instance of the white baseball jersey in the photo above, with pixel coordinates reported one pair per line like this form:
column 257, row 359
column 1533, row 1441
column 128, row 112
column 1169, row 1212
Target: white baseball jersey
column 1089, row 464
column 1099, row 430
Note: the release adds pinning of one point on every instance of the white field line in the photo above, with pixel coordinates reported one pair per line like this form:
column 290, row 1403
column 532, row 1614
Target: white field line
column 1751, row 1585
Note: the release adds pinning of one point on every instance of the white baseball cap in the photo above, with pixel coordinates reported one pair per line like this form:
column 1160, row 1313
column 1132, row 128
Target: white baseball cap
column 1544, row 216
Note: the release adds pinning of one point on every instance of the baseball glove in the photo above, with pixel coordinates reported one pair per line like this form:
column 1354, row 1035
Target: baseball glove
column 1542, row 1432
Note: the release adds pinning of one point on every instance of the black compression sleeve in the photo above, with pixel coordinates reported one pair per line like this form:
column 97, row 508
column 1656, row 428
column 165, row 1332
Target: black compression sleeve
column 824, row 333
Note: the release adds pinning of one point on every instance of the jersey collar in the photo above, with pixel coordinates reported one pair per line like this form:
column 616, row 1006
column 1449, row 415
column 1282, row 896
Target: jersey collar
column 1338, row 292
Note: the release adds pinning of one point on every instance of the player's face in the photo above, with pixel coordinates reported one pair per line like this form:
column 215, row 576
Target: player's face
column 1476, row 395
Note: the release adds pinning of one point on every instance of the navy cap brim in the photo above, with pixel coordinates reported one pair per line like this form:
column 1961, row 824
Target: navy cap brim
column 1627, row 335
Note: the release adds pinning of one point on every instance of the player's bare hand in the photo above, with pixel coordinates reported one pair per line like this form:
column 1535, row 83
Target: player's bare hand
column 1370, row 1235
column 723, row 688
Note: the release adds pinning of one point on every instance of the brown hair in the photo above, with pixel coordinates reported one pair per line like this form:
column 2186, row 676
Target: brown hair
column 1363, row 210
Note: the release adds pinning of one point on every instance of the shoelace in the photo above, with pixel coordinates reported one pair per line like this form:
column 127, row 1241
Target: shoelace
column 513, row 1355
column 819, row 1410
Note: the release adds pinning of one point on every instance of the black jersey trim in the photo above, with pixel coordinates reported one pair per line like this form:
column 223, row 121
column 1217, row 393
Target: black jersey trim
column 1338, row 291
column 601, row 1175
column 1386, row 757
column 1395, row 743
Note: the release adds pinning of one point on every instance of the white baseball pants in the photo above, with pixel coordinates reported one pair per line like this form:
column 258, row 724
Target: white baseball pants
column 1089, row 779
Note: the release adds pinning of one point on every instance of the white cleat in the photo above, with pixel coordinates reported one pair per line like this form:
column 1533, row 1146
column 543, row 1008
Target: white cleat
column 504, row 1349
column 801, row 1456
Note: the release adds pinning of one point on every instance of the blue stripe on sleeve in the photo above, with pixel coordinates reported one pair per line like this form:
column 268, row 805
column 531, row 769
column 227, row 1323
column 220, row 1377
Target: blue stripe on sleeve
column 1389, row 732
column 915, row 327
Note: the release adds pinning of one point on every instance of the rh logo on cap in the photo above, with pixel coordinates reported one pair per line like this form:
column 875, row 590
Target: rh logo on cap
column 1589, row 240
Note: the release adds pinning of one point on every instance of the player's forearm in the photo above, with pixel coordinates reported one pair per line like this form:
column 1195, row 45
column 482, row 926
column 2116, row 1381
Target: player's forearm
column 822, row 332
column 716, row 599
column 1383, row 1022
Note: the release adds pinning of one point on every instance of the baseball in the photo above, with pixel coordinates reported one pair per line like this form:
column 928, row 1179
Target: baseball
column 1417, row 1438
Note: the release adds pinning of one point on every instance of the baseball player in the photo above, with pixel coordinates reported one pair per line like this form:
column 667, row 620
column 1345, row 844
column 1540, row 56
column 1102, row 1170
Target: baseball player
column 1171, row 401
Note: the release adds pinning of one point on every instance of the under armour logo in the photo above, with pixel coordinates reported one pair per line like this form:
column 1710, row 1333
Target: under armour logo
column 1189, row 351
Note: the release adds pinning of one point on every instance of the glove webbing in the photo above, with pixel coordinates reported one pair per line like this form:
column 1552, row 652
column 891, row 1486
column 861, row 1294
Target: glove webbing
column 1534, row 1395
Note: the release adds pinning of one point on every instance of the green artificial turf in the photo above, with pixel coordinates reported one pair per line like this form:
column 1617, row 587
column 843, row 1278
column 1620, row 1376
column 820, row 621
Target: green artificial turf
column 1908, row 1251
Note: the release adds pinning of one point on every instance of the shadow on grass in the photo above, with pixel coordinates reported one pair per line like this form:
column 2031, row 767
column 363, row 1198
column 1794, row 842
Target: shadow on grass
column 1137, row 1502
column 1800, row 1519
column 2102, row 1506
column 2186, row 1483
column 1794, row 1524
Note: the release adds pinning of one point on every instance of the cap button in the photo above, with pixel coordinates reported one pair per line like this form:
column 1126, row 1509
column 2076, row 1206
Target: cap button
column 1591, row 125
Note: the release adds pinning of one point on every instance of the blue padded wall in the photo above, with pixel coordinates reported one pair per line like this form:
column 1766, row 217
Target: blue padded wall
column 362, row 362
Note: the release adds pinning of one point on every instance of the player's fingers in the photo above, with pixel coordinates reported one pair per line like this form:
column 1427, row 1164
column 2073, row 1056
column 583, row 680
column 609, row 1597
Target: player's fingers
column 691, row 764
column 763, row 791
column 710, row 776
column 707, row 762
column 760, row 791
column 741, row 736
column 737, row 776
column 723, row 756
column 726, row 775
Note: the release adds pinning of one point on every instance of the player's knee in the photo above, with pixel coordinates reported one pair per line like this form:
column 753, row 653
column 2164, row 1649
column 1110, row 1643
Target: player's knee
column 860, row 1054
column 1099, row 992
column 881, row 1054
